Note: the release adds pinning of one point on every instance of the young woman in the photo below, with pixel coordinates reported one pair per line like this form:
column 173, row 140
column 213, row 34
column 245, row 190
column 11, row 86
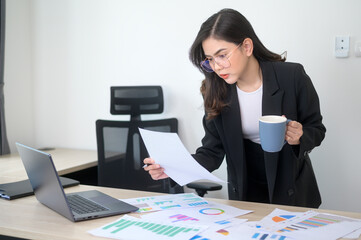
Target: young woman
column 243, row 81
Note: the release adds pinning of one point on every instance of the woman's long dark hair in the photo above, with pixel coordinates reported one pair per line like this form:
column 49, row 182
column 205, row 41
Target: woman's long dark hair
column 231, row 26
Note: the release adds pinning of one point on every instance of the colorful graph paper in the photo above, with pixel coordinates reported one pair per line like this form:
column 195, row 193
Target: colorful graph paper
column 318, row 220
column 134, row 228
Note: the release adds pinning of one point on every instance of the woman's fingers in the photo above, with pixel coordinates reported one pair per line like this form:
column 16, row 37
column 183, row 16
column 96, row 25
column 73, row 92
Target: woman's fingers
column 158, row 174
column 294, row 132
column 148, row 161
column 155, row 170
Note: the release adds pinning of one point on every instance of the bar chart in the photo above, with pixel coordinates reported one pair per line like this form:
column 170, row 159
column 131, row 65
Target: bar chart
column 142, row 229
column 318, row 220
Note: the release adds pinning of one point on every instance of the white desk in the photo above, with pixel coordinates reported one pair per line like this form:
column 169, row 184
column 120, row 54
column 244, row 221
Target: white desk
column 27, row 218
column 65, row 160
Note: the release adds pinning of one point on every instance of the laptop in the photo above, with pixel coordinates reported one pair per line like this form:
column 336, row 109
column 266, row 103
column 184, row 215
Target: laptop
column 48, row 190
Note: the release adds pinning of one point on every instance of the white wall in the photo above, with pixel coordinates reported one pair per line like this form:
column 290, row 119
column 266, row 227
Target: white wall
column 63, row 56
column 19, row 86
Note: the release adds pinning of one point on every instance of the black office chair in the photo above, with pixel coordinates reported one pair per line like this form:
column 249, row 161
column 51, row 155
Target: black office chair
column 202, row 188
column 120, row 148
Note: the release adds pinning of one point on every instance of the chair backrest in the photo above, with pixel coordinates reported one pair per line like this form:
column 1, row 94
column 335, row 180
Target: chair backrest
column 120, row 148
column 136, row 100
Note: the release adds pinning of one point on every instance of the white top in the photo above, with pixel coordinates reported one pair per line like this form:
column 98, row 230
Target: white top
column 250, row 104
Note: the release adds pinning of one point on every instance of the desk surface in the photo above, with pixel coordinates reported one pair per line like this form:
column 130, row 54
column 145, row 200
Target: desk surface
column 27, row 218
column 65, row 160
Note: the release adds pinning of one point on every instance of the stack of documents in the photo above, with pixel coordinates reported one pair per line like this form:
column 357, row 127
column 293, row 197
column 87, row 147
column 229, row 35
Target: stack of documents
column 188, row 216
column 180, row 216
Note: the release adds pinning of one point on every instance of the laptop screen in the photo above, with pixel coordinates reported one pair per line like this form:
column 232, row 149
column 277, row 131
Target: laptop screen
column 44, row 179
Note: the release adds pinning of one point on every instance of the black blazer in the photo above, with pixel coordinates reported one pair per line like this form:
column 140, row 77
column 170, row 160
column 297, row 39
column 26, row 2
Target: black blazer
column 287, row 90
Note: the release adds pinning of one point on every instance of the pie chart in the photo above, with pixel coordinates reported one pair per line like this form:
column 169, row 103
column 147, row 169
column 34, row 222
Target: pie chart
column 211, row 211
column 281, row 218
column 223, row 232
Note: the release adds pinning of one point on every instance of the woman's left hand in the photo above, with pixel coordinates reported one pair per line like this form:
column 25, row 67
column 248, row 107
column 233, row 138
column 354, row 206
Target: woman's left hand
column 294, row 132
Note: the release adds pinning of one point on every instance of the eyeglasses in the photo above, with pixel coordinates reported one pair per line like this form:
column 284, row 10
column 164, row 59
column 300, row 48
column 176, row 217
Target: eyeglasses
column 221, row 60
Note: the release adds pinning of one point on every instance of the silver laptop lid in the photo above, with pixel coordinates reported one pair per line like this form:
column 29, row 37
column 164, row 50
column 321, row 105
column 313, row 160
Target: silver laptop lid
column 47, row 187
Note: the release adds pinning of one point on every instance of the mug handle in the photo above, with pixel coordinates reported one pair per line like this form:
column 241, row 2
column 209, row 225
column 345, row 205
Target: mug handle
column 287, row 121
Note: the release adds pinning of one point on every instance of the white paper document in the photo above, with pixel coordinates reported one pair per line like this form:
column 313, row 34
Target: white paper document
column 128, row 227
column 169, row 152
column 310, row 225
column 166, row 202
column 213, row 213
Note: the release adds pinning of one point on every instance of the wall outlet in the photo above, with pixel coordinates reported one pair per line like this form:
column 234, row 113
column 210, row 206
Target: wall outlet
column 342, row 46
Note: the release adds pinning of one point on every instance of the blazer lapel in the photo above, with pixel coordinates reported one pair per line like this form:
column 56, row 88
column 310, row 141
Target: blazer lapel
column 272, row 94
column 271, row 105
column 232, row 125
column 232, row 116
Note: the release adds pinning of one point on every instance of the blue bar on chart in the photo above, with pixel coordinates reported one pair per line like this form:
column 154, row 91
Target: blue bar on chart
column 197, row 204
column 264, row 236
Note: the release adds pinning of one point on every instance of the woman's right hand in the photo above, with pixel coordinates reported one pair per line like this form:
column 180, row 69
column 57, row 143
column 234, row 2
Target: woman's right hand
column 155, row 170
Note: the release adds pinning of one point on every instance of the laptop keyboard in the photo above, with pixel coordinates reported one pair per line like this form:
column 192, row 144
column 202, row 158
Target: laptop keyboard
column 82, row 205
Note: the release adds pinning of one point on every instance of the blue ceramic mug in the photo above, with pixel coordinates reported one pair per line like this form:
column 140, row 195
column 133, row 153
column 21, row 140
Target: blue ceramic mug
column 272, row 131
